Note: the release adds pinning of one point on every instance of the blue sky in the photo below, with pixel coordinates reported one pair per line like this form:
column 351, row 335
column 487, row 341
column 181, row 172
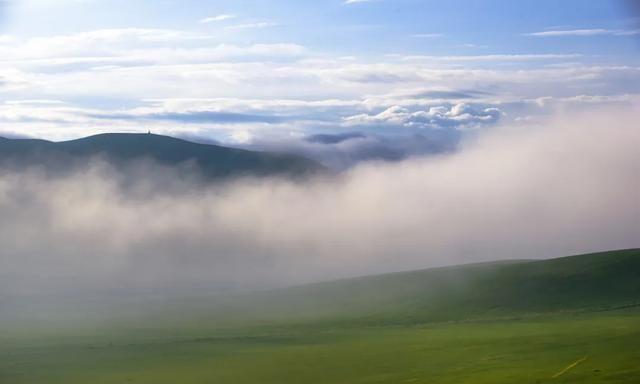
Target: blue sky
column 365, row 27
column 272, row 73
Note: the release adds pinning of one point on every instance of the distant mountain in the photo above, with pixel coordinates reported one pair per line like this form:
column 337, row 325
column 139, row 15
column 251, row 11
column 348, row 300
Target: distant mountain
column 121, row 149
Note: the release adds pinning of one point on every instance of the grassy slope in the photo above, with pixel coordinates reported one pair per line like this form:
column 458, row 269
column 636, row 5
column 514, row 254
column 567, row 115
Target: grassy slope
column 521, row 322
column 481, row 291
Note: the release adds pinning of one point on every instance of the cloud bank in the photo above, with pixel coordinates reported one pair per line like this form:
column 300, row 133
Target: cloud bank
column 553, row 190
column 205, row 82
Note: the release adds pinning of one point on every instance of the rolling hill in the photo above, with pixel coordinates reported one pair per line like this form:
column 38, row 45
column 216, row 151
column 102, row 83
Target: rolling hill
column 567, row 320
column 590, row 282
column 487, row 291
column 121, row 150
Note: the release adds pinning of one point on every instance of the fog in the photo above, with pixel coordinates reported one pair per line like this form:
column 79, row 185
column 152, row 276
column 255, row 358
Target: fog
column 567, row 187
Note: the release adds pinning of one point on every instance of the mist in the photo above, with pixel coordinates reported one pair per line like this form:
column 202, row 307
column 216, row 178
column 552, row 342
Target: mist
column 513, row 192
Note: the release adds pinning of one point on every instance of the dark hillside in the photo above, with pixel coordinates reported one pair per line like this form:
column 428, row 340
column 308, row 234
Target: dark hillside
column 121, row 149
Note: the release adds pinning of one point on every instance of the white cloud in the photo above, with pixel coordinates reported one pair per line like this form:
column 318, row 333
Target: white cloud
column 584, row 32
column 575, row 181
column 320, row 90
column 256, row 25
column 104, row 42
column 427, row 35
column 456, row 116
column 217, row 18
column 495, row 57
column 358, row 1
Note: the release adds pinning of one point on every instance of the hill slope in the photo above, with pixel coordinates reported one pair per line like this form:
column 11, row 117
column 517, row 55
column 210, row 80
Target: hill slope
column 594, row 282
column 121, row 149
column 317, row 336
column 587, row 282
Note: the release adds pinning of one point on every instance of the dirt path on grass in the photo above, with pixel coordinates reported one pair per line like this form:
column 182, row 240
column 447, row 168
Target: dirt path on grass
column 570, row 367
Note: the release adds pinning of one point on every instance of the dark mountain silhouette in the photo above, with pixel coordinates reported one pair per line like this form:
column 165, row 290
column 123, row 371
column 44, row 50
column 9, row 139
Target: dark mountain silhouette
column 212, row 161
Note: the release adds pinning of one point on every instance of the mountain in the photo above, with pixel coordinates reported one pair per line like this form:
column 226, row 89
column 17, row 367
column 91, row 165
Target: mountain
column 212, row 161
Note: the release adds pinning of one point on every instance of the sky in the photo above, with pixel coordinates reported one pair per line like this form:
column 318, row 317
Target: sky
column 510, row 130
column 341, row 81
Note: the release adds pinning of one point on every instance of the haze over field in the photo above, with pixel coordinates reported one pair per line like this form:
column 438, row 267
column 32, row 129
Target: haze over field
column 567, row 187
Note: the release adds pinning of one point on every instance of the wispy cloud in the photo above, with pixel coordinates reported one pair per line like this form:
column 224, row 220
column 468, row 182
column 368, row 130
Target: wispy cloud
column 494, row 57
column 236, row 84
column 584, row 32
column 427, row 35
column 358, row 1
column 257, row 25
column 214, row 19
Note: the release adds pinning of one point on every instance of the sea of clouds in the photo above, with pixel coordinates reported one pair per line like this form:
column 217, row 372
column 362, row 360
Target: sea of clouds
column 568, row 186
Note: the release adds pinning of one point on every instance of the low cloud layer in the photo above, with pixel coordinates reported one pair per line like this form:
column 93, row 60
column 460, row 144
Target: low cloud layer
column 566, row 187
column 341, row 151
column 456, row 116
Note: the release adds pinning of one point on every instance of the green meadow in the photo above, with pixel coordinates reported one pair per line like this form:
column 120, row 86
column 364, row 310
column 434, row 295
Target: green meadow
column 569, row 320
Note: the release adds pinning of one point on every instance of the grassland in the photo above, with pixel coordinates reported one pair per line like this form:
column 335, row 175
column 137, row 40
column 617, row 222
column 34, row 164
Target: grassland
column 570, row 320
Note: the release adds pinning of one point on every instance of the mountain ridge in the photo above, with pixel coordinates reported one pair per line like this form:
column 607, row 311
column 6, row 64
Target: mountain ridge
column 213, row 161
